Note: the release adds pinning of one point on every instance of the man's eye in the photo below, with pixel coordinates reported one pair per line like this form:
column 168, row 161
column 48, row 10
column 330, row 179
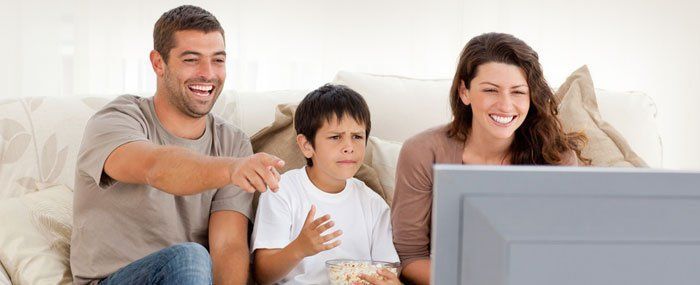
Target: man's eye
column 190, row 60
column 220, row 60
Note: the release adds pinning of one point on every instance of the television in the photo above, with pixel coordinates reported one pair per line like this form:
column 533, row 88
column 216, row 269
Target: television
column 538, row 225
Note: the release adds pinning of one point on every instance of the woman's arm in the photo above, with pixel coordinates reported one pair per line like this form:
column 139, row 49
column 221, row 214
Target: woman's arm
column 417, row 272
column 412, row 209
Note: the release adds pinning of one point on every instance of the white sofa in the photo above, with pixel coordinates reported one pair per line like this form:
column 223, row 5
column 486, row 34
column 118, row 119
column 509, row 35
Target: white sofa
column 40, row 138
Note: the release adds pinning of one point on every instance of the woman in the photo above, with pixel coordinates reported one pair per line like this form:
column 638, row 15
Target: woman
column 503, row 113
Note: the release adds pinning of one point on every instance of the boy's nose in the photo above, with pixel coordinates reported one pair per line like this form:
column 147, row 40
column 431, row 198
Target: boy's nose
column 347, row 148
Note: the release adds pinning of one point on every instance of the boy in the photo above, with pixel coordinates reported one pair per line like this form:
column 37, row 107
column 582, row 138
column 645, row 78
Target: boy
column 290, row 243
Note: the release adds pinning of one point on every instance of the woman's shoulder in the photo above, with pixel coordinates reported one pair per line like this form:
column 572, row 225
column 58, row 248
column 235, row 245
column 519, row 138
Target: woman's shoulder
column 433, row 144
column 432, row 138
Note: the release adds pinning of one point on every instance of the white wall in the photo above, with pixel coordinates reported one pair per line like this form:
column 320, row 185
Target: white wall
column 62, row 48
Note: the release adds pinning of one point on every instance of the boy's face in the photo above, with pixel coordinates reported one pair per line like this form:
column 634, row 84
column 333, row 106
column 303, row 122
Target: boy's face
column 339, row 149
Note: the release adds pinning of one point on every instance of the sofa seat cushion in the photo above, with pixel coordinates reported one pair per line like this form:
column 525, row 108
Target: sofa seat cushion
column 35, row 236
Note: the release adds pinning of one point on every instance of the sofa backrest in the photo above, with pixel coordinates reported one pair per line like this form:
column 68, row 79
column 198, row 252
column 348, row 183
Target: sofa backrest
column 40, row 137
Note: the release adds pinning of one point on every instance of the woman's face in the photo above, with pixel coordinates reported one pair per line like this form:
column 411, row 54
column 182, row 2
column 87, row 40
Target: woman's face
column 500, row 99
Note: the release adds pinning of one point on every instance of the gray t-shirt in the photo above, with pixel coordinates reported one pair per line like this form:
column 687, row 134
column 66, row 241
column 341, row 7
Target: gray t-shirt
column 114, row 223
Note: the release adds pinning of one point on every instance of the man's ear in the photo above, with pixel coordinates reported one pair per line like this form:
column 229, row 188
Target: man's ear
column 305, row 146
column 157, row 63
column 464, row 94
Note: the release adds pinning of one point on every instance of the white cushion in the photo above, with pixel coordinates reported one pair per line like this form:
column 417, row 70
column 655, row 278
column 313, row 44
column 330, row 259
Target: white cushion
column 35, row 236
column 385, row 155
column 402, row 107
column 256, row 110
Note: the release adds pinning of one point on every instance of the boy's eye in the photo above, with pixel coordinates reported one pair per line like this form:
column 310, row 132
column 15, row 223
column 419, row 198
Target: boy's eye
column 358, row 137
column 334, row 137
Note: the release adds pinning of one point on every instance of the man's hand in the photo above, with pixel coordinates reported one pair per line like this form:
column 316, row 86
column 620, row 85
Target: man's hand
column 385, row 277
column 311, row 241
column 256, row 172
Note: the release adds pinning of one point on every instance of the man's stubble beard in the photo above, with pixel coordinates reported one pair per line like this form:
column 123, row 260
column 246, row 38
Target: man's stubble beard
column 179, row 98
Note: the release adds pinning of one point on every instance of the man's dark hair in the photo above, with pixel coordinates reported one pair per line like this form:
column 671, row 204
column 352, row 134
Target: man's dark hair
column 185, row 17
column 326, row 103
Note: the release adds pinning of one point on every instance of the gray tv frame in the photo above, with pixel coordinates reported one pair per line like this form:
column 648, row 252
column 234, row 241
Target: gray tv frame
column 456, row 184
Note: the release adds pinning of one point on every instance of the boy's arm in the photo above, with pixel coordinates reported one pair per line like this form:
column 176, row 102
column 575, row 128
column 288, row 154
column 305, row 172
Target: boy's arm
column 271, row 265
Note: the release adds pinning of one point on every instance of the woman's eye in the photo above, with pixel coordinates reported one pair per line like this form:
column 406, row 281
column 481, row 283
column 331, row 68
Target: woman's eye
column 490, row 90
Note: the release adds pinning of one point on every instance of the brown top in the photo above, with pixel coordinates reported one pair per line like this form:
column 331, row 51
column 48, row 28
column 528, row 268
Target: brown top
column 412, row 205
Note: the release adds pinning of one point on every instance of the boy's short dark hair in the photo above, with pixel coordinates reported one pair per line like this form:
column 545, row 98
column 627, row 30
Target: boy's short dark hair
column 185, row 17
column 326, row 103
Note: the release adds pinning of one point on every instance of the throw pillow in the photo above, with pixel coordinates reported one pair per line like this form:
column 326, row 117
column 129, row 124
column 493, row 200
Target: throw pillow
column 35, row 236
column 578, row 111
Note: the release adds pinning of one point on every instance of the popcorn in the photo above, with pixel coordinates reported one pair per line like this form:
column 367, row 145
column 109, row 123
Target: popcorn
column 346, row 271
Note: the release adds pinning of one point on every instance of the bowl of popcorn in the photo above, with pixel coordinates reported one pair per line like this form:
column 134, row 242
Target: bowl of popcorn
column 347, row 271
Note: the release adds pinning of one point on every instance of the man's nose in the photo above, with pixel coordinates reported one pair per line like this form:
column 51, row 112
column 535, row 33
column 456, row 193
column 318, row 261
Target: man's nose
column 205, row 69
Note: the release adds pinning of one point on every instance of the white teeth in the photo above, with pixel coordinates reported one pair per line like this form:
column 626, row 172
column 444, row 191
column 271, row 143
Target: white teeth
column 502, row 120
column 205, row 88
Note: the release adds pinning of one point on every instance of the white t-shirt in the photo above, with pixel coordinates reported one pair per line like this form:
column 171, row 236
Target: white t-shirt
column 359, row 212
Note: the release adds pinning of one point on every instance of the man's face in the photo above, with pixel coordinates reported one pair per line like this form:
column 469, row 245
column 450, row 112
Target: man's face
column 195, row 72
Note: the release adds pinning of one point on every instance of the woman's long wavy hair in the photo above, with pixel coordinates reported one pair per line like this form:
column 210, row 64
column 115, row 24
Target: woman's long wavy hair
column 540, row 140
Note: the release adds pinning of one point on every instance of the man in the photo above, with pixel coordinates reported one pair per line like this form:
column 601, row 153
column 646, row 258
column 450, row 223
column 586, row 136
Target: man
column 163, row 188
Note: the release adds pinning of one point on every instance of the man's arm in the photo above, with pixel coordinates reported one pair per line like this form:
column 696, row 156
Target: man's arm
column 228, row 246
column 180, row 171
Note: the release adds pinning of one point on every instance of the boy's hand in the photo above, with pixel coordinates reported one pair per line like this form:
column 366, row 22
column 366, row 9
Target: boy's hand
column 256, row 172
column 385, row 277
column 311, row 239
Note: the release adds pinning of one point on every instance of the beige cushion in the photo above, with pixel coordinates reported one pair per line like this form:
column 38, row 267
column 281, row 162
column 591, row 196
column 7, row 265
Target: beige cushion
column 279, row 139
column 35, row 236
column 578, row 111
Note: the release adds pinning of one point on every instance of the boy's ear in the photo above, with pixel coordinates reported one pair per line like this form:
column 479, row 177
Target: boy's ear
column 305, row 146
